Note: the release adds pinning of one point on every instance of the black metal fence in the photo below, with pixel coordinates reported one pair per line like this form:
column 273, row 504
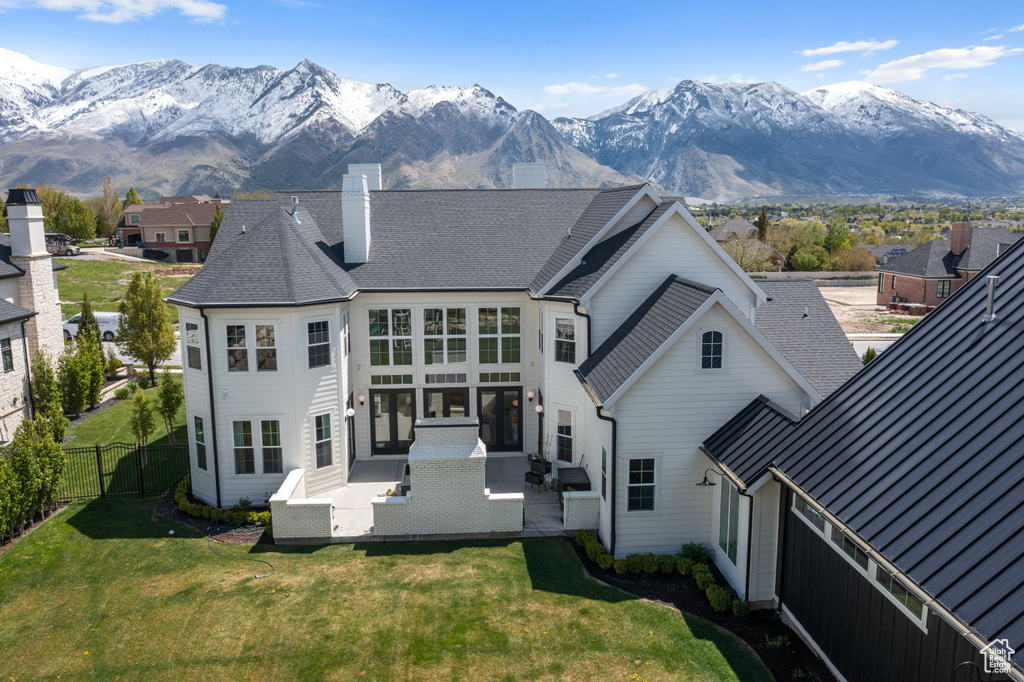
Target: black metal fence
column 122, row 469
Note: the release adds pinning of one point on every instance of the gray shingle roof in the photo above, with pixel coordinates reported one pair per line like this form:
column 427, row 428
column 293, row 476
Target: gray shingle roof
column 920, row 454
column 438, row 239
column 984, row 245
column 12, row 313
column 643, row 332
column 814, row 344
column 8, row 269
column 928, row 260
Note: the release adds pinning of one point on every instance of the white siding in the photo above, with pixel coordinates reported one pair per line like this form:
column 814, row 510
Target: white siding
column 765, row 538
column 674, row 249
column 197, row 403
column 671, row 410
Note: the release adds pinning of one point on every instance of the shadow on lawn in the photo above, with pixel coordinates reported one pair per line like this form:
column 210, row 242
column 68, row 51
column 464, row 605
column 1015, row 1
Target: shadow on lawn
column 124, row 517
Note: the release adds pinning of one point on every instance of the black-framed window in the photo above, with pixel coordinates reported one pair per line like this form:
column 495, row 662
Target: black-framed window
column 245, row 453
column 238, row 354
column 392, row 328
column 444, row 336
column 881, row 283
column 564, row 435
column 318, row 343
column 565, row 340
column 711, row 350
column 266, row 348
column 7, row 354
column 640, row 485
column 192, row 348
column 729, row 521
column 270, row 441
column 322, row 440
column 943, row 289
column 200, row 442
column 498, row 335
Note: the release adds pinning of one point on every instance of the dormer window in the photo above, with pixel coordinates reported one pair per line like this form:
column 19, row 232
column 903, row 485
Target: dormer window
column 711, row 350
column 134, row 218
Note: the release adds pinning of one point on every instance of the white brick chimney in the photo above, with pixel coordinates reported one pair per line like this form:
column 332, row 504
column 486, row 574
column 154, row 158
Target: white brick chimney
column 37, row 288
column 529, row 176
column 355, row 218
column 374, row 176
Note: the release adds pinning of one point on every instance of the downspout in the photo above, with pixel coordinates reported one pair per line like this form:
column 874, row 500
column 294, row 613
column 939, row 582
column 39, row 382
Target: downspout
column 213, row 409
column 615, row 464
column 586, row 316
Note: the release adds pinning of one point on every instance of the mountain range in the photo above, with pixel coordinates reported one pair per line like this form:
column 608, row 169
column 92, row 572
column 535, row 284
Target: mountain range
column 170, row 128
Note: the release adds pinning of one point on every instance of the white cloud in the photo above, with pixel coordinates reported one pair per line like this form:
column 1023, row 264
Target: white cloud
column 995, row 37
column 822, row 65
column 951, row 59
column 739, row 78
column 120, row 11
column 1017, row 29
column 612, row 75
column 954, row 76
column 864, row 46
column 586, row 89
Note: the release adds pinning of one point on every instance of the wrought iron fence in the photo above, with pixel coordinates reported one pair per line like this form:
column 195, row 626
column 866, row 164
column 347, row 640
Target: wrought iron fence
column 122, row 469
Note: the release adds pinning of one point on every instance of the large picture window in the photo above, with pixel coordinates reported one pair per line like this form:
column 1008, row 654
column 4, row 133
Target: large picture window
column 245, row 454
column 270, row 436
column 565, row 340
column 711, row 350
column 444, row 336
column 238, row 355
column 318, row 343
column 195, row 357
column 390, row 336
column 640, row 486
column 729, row 521
column 499, row 335
column 322, row 440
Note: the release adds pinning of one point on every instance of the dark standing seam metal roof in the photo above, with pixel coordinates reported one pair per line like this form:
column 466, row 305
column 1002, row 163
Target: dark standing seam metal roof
column 12, row 313
column 928, row 260
column 438, row 239
column 922, row 454
column 814, row 343
column 738, row 444
column 641, row 335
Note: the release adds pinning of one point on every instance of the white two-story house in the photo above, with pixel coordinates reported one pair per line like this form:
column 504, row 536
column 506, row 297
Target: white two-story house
column 602, row 327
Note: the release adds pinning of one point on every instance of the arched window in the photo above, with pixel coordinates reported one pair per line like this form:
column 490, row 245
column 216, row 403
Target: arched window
column 711, row 350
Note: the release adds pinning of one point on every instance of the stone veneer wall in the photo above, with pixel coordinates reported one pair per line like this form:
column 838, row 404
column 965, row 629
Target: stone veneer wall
column 296, row 518
column 36, row 291
column 14, row 387
column 581, row 509
column 448, row 496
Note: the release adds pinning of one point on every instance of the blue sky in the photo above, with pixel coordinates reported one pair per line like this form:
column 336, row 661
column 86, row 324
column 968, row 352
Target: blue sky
column 563, row 58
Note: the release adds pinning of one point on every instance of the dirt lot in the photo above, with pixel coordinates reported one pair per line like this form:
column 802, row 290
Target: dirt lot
column 857, row 312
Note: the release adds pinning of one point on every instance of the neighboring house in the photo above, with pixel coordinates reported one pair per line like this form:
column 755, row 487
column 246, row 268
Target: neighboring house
column 177, row 226
column 886, row 252
column 900, row 554
column 733, row 229
column 923, row 278
column 605, row 328
column 753, row 255
column 30, row 317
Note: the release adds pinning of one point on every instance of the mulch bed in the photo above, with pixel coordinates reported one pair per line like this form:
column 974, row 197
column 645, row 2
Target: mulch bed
column 757, row 630
column 168, row 509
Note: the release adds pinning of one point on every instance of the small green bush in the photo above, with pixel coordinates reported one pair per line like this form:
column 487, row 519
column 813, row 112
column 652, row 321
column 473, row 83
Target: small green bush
column 143, row 381
column 704, row 578
column 684, row 566
column 595, row 549
column 697, row 552
column 740, row 607
column 666, row 563
column 585, row 536
column 719, row 598
column 605, row 561
column 132, row 387
column 122, row 393
column 620, row 566
column 634, row 562
column 649, row 563
column 205, row 511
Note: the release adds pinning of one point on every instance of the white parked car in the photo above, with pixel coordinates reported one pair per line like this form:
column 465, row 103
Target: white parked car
column 108, row 325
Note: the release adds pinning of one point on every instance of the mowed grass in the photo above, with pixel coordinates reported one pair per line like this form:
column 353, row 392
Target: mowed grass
column 103, row 592
column 106, row 280
column 112, row 425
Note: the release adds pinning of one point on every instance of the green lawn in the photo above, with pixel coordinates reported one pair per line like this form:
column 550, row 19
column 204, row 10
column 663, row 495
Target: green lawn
column 103, row 592
column 106, row 280
column 111, row 425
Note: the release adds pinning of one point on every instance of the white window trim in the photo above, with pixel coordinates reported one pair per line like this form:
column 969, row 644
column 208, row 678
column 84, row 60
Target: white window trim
column 657, row 483
column 133, row 218
column 255, row 449
column 868, row 574
column 157, row 237
column 206, row 441
column 304, row 327
column 313, row 441
column 257, row 348
column 574, row 341
column 199, row 345
column 573, row 438
column 250, row 358
column 733, row 490
column 700, row 349
column 177, row 236
column 280, row 432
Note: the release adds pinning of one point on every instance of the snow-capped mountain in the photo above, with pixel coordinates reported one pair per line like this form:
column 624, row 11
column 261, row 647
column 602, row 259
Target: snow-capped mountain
column 734, row 139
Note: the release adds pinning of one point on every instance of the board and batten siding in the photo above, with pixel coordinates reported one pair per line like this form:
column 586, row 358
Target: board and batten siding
column 669, row 412
column 673, row 250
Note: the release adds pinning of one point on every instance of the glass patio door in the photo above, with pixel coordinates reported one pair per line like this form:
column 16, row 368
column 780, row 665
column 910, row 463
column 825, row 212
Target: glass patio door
column 391, row 426
column 446, row 402
column 501, row 418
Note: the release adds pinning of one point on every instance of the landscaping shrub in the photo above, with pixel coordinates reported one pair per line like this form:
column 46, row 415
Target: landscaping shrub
column 595, row 549
column 649, row 563
column 740, row 607
column 666, row 563
column 620, row 566
column 30, row 474
column 719, row 598
column 143, row 380
column 684, row 566
column 122, row 393
column 605, row 561
column 112, row 362
column 697, row 552
column 205, row 511
column 584, row 536
column 702, row 574
column 633, row 563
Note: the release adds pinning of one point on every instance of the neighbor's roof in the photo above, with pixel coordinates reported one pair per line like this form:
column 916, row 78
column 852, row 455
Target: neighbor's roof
column 434, row 239
column 920, row 453
column 733, row 228
column 643, row 332
column 175, row 212
column 12, row 313
column 928, row 260
column 984, row 245
column 798, row 322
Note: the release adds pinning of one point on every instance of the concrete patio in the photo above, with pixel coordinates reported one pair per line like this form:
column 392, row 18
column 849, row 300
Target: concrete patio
column 352, row 515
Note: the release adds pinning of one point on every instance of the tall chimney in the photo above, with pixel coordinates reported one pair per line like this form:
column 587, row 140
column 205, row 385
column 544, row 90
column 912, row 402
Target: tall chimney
column 37, row 288
column 529, row 176
column 374, row 177
column 960, row 237
column 355, row 218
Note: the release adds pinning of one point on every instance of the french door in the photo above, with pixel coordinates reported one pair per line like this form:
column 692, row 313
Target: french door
column 446, row 402
column 501, row 418
column 391, row 426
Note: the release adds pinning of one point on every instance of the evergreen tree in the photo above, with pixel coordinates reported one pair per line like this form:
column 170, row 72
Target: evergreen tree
column 87, row 324
column 74, row 381
column 141, row 419
column 46, row 395
column 90, row 360
column 170, row 397
column 762, row 225
column 132, row 197
column 144, row 331
column 4, row 227
column 218, row 216
column 869, row 355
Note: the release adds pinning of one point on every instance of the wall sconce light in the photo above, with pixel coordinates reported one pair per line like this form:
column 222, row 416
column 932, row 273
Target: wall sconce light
column 708, row 483
column 539, row 409
column 350, row 412
column 530, row 395
column 361, row 398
